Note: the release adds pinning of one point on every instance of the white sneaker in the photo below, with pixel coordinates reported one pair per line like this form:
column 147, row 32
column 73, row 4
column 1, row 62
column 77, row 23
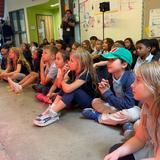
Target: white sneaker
column 11, row 83
column 49, row 118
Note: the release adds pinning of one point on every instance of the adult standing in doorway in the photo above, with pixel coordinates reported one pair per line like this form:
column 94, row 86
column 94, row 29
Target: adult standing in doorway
column 68, row 24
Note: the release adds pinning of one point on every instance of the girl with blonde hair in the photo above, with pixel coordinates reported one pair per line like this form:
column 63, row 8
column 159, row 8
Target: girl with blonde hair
column 17, row 65
column 146, row 142
column 78, row 84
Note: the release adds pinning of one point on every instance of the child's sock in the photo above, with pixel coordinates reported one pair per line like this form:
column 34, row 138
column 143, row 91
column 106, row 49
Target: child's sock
column 17, row 87
column 11, row 83
column 50, row 107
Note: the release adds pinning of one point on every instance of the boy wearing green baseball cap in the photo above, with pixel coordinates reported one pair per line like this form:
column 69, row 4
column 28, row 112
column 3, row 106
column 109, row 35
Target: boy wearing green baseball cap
column 116, row 92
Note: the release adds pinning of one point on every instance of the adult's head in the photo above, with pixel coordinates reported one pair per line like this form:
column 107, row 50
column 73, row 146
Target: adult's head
column 5, row 51
column 68, row 13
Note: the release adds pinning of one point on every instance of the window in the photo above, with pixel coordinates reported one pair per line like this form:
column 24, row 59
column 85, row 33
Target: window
column 17, row 19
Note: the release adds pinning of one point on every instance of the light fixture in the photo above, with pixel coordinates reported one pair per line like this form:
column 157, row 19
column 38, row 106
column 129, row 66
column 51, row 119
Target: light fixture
column 54, row 5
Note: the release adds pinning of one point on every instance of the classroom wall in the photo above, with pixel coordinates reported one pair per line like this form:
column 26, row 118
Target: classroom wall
column 148, row 4
column 19, row 4
column 123, row 20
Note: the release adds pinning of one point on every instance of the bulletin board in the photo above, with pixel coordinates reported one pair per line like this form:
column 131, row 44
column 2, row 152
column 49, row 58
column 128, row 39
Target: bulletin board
column 123, row 20
column 154, row 23
column 151, row 20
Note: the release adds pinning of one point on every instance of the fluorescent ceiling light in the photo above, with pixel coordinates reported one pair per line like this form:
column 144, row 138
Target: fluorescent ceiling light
column 54, row 5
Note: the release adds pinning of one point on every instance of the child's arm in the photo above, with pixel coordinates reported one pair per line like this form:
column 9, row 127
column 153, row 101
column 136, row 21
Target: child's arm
column 131, row 146
column 125, row 102
column 52, row 89
column 16, row 71
column 42, row 73
column 46, row 78
column 101, row 63
column 4, row 73
column 68, row 88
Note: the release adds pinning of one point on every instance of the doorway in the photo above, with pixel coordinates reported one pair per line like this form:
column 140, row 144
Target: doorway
column 44, row 27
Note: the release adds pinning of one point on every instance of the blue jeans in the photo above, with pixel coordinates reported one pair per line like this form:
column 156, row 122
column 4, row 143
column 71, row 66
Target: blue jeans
column 79, row 96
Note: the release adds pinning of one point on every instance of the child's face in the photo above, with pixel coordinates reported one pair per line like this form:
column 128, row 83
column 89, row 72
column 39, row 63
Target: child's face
column 11, row 54
column 127, row 43
column 59, row 60
column 4, row 52
column 84, row 45
column 115, row 66
column 46, row 55
column 74, row 48
column 93, row 42
column 73, row 63
column 98, row 46
column 142, row 50
column 140, row 90
column 35, row 55
column 105, row 45
column 59, row 46
column 68, row 49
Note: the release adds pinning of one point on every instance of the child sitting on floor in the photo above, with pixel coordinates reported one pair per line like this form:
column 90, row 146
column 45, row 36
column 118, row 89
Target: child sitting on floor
column 62, row 58
column 77, row 86
column 146, row 142
column 116, row 91
column 32, row 77
column 48, row 70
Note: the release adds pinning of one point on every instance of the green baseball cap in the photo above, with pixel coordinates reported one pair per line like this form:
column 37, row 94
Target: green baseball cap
column 120, row 53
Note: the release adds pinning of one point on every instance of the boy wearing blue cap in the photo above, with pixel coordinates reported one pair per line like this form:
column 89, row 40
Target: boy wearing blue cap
column 117, row 104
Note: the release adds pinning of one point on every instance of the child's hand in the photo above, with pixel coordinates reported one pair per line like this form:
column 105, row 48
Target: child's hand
column 49, row 95
column 112, row 156
column 42, row 63
column 103, row 86
column 65, row 68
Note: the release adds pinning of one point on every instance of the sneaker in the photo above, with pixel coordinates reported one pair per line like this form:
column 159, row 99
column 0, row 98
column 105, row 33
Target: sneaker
column 43, row 98
column 39, row 97
column 127, row 126
column 49, row 118
column 91, row 114
column 128, row 130
column 45, row 112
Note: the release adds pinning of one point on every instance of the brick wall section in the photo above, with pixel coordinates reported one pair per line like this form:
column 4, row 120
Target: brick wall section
column 1, row 8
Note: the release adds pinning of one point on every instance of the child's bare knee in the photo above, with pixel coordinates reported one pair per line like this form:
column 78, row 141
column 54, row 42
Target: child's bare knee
column 95, row 102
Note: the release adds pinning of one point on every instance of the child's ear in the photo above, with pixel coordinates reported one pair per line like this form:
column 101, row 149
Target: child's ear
column 124, row 65
column 149, row 48
column 53, row 57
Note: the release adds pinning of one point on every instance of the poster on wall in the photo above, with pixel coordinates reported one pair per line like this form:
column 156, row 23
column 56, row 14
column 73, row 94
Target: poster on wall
column 154, row 23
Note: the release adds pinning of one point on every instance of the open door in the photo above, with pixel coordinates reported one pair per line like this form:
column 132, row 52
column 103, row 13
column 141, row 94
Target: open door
column 44, row 27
